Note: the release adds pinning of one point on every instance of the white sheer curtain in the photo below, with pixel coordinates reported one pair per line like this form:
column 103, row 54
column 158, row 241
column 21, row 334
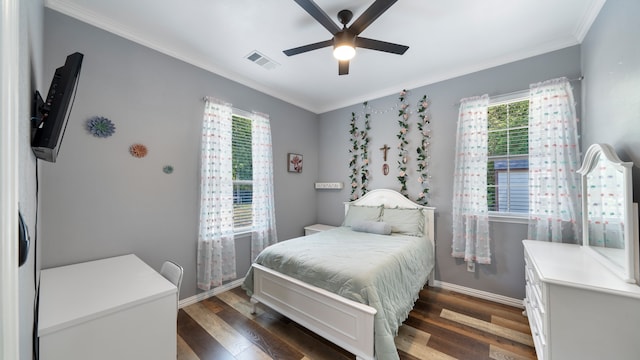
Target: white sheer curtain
column 554, row 158
column 470, row 211
column 216, row 260
column 263, row 232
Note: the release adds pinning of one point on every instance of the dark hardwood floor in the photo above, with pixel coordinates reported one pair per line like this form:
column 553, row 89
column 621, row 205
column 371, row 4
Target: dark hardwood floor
column 442, row 325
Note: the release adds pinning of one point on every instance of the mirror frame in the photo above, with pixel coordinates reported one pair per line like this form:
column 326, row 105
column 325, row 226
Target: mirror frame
column 626, row 270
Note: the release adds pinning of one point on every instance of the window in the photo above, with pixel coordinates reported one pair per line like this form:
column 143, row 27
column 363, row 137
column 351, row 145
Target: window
column 235, row 151
column 508, row 158
column 242, row 173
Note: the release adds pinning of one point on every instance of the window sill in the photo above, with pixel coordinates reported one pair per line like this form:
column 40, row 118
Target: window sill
column 510, row 218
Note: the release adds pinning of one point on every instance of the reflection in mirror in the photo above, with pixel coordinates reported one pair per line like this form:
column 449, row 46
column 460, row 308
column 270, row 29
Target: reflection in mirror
column 607, row 210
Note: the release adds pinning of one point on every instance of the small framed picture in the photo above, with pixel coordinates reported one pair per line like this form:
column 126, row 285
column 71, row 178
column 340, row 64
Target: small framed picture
column 294, row 163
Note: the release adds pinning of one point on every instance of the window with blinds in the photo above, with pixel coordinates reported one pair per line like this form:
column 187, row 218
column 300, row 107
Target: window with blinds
column 508, row 160
column 242, row 173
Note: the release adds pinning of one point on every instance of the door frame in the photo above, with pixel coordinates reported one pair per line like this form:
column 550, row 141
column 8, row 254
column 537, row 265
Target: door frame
column 9, row 147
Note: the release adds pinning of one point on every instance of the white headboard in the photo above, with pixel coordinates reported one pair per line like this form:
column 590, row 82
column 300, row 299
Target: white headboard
column 391, row 199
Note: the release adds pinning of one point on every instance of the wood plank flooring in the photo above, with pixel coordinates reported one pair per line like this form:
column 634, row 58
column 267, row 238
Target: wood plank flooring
column 442, row 325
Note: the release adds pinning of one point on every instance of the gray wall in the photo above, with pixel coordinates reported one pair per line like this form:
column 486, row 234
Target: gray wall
column 611, row 97
column 505, row 276
column 98, row 201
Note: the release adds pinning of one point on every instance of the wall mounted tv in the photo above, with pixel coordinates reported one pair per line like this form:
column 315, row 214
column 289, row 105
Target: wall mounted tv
column 49, row 116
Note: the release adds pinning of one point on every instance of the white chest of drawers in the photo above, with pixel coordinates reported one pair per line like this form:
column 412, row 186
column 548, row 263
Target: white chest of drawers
column 577, row 308
column 115, row 308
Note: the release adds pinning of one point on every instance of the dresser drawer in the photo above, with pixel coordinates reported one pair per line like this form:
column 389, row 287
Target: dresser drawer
column 535, row 291
column 536, row 314
column 533, row 281
column 539, row 339
column 536, row 306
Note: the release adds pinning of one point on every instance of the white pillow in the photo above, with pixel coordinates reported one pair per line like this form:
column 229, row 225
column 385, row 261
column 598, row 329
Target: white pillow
column 404, row 221
column 373, row 227
column 362, row 213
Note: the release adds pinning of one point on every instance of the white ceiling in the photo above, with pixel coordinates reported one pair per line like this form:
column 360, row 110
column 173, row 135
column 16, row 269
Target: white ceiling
column 445, row 38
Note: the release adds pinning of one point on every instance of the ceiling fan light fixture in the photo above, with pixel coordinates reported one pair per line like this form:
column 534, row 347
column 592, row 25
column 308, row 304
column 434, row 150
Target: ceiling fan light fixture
column 343, row 46
column 344, row 52
column 344, row 40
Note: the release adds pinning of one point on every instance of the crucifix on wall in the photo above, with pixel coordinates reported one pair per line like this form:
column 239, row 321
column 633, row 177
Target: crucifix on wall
column 384, row 149
column 385, row 167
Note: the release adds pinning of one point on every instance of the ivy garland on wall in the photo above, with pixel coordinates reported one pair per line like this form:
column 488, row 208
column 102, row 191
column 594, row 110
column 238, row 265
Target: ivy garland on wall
column 423, row 150
column 403, row 121
column 353, row 176
column 364, row 152
column 359, row 150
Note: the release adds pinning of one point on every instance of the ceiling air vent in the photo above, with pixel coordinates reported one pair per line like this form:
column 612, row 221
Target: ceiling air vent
column 262, row 60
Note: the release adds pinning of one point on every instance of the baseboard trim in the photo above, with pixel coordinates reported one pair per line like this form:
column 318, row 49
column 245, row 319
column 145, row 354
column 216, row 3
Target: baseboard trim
column 213, row 292
column 480, row 294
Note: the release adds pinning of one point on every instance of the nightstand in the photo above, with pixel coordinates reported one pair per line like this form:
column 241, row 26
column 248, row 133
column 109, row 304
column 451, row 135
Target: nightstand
column 312, row 229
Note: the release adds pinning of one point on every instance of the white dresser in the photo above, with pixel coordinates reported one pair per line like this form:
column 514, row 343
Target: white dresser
column 115, row 308
column 577, row 308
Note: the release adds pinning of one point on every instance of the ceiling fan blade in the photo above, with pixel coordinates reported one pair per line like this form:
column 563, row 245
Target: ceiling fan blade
column 305, row 48
column 318, row 14
column 380, row 45
column 343, row 67
column 370, row 15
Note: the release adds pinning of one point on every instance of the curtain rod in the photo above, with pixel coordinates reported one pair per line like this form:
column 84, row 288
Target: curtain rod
column 236, row 111
column 579, row 78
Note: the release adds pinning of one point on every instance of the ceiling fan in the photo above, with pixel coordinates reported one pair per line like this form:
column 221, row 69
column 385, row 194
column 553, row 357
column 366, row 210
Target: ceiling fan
column 345, row 40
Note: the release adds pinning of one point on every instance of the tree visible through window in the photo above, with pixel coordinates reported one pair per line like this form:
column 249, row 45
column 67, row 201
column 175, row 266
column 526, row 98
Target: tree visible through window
column 508, row 159
column 242, row 173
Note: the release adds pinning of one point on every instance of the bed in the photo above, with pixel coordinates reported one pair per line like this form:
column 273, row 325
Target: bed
column 353, row 285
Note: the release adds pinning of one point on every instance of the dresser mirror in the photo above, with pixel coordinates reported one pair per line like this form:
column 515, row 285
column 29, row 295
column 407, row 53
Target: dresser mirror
column 608, row 223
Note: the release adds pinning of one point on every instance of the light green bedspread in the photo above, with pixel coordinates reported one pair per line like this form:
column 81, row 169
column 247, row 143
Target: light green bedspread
column 385, row 272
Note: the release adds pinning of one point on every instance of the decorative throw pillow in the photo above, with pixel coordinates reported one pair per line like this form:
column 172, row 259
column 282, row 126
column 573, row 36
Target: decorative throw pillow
column 404, row 221
column 362, row 213
column 373, row 227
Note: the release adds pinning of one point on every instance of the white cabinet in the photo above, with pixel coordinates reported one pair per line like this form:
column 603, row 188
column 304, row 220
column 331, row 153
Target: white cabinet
column 577, row 308
column 115, row 308
column 312, row 229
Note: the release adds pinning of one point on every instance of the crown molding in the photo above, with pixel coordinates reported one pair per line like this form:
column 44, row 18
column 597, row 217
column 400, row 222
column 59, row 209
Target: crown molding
column 587, row 19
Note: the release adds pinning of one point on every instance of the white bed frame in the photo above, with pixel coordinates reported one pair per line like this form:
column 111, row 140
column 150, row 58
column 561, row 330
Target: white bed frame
column 346, row 323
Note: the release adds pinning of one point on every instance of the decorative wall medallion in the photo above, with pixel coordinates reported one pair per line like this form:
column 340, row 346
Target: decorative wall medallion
column 168, row 169
column 100, row 126
column 138, row 150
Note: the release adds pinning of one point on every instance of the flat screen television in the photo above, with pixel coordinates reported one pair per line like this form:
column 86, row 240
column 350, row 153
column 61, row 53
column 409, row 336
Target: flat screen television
column 50, row 116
